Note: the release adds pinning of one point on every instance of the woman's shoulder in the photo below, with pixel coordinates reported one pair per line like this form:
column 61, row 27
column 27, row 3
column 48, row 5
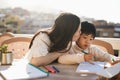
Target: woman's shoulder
column 42, row 36
column 44, row 30
column 42, row 33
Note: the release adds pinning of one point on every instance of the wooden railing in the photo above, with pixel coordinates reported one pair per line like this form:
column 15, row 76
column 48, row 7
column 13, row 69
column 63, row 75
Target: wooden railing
column 114, row 41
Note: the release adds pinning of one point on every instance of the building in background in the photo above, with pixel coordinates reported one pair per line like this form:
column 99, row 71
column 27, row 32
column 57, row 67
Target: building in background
column 21, row 21
column 105, row 29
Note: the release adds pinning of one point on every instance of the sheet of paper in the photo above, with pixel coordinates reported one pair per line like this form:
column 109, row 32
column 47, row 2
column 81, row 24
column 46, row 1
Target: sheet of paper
column 23, row 70
column 86, row 67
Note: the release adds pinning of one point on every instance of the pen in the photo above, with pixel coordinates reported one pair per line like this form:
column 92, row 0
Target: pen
column 56, row 69
column 84, row 52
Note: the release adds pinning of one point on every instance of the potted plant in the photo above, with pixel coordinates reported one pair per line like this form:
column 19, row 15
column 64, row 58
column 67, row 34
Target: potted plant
column 4, row 48
column 6, row 55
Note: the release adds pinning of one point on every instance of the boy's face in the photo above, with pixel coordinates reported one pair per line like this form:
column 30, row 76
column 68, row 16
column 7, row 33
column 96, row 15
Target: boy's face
column 85, row 41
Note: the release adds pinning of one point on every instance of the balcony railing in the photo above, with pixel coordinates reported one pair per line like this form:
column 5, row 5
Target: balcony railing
column 115, row 42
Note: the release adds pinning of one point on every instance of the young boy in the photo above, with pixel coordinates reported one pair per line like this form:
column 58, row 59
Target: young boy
column 83, row 45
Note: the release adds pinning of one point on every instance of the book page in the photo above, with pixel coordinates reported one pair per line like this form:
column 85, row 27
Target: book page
column 110, row 71
column 86, row 67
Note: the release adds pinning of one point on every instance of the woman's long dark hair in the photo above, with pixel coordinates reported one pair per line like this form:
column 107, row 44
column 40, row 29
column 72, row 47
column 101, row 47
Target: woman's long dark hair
column 62, row 31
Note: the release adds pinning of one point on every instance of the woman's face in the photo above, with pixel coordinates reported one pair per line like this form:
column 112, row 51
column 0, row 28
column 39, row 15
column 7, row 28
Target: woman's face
column 76, row 35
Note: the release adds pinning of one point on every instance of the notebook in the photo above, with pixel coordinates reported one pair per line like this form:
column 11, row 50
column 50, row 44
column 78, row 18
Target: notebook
column 23, row 70
column 98, row 68
column 86, row 67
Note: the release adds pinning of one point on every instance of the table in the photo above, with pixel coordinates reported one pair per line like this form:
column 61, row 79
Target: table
column 67, row 72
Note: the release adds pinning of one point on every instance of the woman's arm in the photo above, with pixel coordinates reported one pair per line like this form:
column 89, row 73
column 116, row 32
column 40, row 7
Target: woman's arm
column 44, row 60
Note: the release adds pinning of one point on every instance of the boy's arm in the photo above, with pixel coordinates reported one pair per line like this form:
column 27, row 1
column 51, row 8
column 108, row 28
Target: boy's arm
column 71, row 58
column 101, row 55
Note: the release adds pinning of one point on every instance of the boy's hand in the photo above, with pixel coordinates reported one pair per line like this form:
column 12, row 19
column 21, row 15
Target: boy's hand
column 88, row 58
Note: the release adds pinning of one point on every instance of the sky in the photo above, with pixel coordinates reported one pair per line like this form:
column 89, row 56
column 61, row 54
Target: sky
column 98, row 9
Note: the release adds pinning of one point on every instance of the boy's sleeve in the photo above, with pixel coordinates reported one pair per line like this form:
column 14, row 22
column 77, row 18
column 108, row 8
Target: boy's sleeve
column 101, row 55
column 71, row 58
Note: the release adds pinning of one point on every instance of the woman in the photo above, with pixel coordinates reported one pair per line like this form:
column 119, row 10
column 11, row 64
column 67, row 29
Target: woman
column 47, row 45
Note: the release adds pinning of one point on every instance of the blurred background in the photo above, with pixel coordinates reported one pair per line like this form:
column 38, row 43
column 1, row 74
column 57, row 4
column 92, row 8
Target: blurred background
column 27, row 16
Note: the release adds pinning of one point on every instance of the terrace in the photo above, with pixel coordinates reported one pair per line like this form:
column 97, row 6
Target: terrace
column 115, row 42
column 68, row 71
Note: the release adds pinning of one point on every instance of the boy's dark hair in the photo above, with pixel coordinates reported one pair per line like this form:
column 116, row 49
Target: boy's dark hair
column 88, row 28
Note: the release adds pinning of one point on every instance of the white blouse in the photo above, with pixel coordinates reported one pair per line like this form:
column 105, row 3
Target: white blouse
column 40, row 46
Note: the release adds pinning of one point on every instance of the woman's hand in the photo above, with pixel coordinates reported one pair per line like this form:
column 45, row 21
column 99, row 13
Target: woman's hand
column 114, row 62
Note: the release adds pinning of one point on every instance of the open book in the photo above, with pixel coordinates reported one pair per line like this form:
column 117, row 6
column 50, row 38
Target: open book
column 22, row 70
column 98, row 68
column 110, row 71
